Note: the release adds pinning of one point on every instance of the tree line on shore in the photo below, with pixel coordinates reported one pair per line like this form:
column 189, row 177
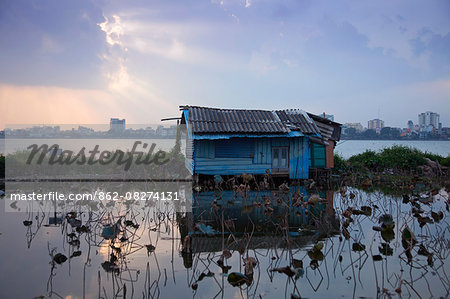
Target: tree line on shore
column 389, row 133
column 395, row 159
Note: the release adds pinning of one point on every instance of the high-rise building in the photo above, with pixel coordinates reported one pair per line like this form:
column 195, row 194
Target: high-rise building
column 357, row 126
column 117, row 125
column 428, row 118
column 375, row 124
column 410, row 125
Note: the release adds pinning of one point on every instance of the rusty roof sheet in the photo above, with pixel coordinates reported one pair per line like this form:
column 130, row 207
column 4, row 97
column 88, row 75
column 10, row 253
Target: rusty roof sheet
column 325, row 130
column 328, row 129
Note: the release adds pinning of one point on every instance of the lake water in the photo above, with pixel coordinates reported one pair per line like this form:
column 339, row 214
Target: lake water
column 242, row 245
column 346, row 148
column 266, row 244
column 12, row 145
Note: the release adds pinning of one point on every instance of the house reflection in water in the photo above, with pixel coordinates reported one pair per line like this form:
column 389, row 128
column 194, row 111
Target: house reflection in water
column 257, row 220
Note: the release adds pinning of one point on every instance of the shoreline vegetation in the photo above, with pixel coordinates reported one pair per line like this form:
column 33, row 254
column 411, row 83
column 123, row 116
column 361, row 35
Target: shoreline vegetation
column 390, row 164
column 394, row 160
column 389, row 133
column 395, row 170
column 273, row 238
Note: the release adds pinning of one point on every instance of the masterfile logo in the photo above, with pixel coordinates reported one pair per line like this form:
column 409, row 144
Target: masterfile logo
column 137, row 163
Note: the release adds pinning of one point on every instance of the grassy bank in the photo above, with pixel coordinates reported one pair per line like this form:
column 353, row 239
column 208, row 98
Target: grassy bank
column 393, row 160
column 396, row 170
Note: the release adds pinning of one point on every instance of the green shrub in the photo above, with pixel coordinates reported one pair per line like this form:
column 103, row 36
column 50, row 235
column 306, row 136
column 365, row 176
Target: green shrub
column 446, row 161
column 397, row 157
column 369, row 159
column 401, row 157
column 339, row 163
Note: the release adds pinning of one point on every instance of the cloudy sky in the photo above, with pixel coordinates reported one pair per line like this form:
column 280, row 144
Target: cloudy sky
column 86, row 61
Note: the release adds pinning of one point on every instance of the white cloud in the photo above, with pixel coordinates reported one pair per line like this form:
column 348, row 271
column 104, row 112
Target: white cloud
column 119, row 79
column 115, row 69
column 181, row 42
column 125, row 86
column 113, row 29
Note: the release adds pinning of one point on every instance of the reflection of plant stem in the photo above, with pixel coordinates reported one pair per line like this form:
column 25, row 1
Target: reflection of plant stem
column 353, row 270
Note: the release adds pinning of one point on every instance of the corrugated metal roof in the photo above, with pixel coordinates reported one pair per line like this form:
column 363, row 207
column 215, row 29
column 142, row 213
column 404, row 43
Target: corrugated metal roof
column 325, row 130
column 328, row 129
column 299, row 120
column 205, row 120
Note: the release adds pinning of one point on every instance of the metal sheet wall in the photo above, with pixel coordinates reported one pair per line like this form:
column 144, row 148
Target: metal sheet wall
column 207, row 162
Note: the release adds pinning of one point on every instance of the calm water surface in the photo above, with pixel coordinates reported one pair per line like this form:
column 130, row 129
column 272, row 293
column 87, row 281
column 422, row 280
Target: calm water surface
column 274, row 229
column 308, row 243
column 12, row 145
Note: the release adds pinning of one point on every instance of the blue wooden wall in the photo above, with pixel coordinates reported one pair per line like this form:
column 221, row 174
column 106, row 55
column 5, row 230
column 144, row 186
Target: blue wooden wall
column 235, row 158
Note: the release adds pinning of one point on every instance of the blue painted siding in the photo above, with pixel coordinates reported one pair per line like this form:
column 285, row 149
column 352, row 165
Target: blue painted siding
column 228, row 166
column 298, row 158
column 263, row 152
column 206, row 160
column 234, row 148
column 204, row 149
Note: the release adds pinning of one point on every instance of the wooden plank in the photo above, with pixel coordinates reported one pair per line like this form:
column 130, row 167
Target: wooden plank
column 219, row 161
column 242, row 168
column 300, row 163
column 233, row 170
column 234, row 148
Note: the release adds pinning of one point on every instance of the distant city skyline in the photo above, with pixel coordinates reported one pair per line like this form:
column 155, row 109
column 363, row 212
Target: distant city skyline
column 364, row 124
column 424, row 119
column 85, row 61
column 117, row 128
